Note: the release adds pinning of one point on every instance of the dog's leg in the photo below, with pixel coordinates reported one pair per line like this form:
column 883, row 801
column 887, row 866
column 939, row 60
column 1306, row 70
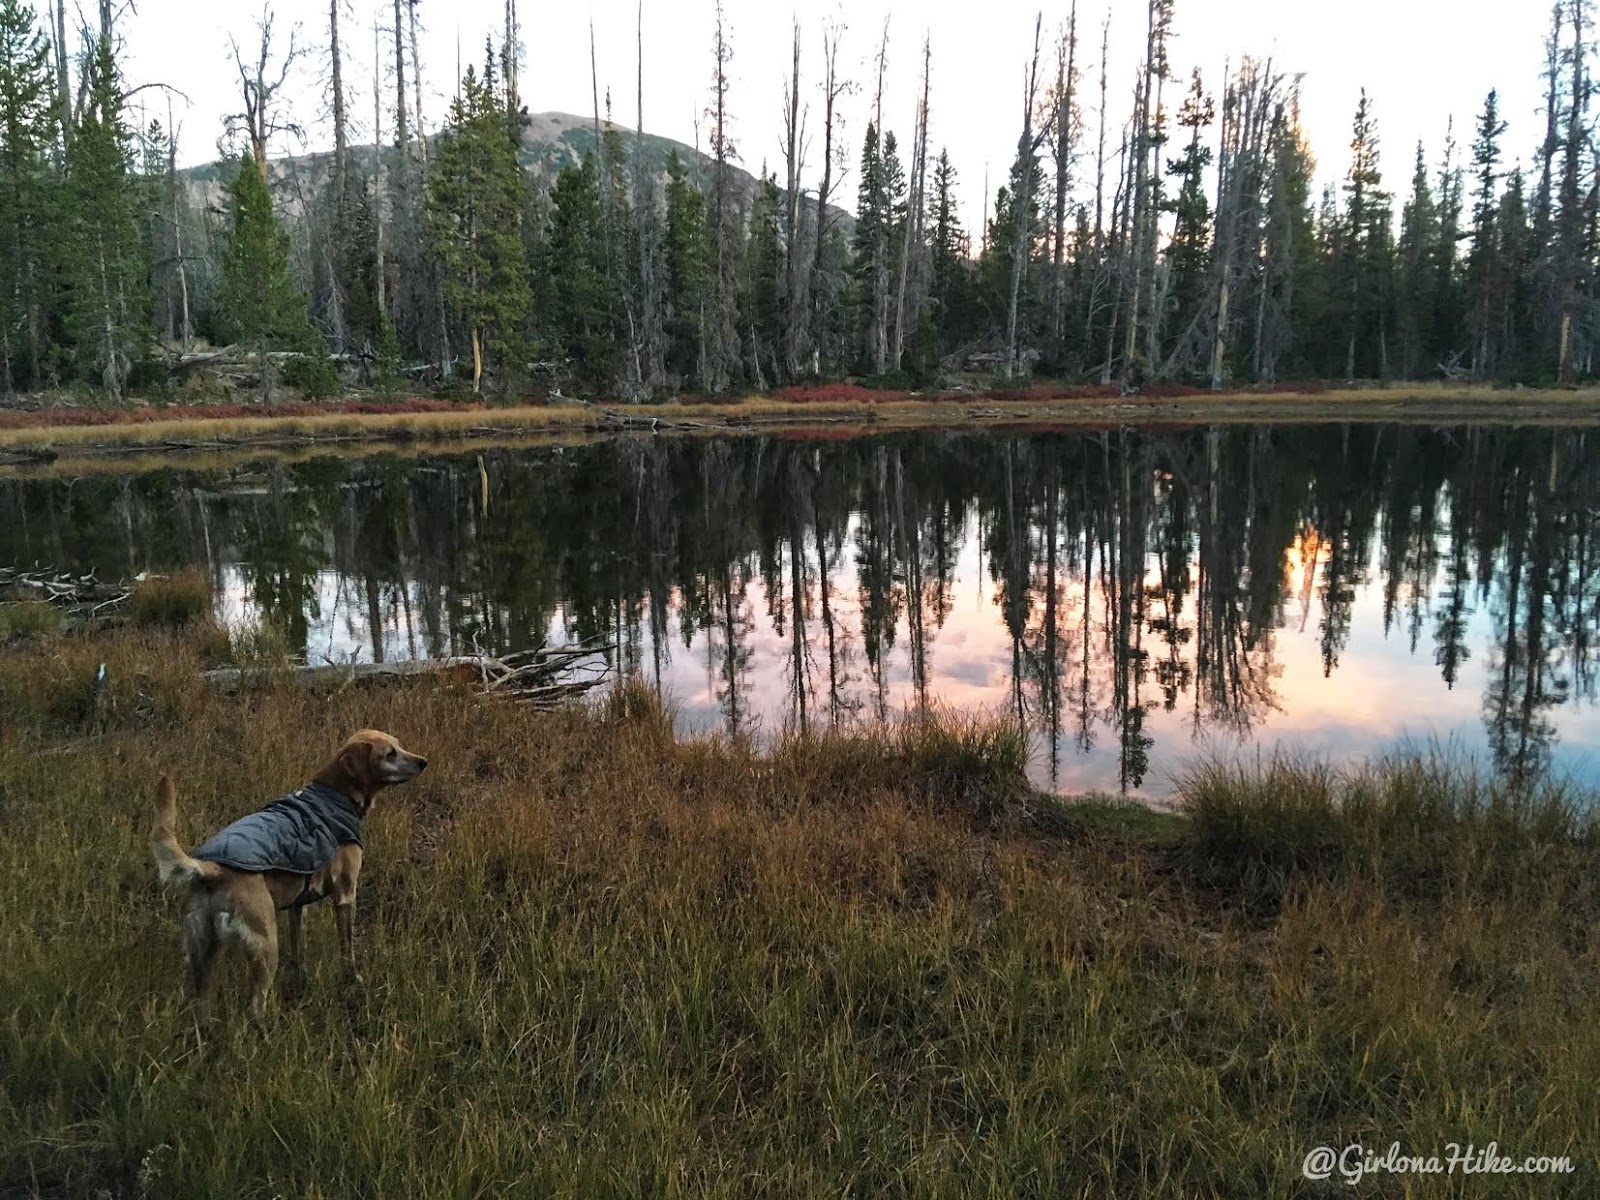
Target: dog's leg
column 296, row 974
column 200, row 948
column 255, row 927
column 344, row 915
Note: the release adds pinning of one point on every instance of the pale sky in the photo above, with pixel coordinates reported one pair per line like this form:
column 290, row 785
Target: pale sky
column 1423, row 61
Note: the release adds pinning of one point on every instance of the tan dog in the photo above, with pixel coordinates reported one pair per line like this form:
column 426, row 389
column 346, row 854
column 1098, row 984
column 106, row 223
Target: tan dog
column 297, row 850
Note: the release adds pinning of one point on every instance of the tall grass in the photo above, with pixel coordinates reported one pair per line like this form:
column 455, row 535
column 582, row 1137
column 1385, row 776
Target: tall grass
column 601, row 962
column 171, row 601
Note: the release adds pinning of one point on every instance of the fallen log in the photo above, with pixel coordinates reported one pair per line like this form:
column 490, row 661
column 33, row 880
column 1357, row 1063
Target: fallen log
column 469, row 668
column 543, row 677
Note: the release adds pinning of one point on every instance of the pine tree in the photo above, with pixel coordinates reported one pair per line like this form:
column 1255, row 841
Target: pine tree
column 1189, row 252
column 950, row 287
column 688, row 267
column 259, row 303
column 474, row 223
column 1414, row 286
column 578, row 314
column 761, row 311
column 103, row 266
column 869, row 248
column 1363, row 253
column 1295, row 282
column 26, row 129
column 1483, row 258
column 1447, row 337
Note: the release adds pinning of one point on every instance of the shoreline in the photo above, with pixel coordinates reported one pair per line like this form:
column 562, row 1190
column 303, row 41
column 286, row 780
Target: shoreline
column 44, row 444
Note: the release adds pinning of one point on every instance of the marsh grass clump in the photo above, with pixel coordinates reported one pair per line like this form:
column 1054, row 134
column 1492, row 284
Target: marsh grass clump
column 1423, row 829
column 22, row 620
column 612, row 962
column 170, row 601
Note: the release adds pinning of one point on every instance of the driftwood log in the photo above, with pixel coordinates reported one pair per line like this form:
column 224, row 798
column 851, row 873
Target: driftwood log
column 543, row 678
column 78, row 593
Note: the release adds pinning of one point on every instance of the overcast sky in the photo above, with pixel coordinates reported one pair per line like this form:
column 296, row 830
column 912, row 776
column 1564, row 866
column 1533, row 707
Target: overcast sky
column 1423, row 61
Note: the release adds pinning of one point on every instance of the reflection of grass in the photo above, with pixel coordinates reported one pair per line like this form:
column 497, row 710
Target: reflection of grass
column 609, row 962
column 377, row 422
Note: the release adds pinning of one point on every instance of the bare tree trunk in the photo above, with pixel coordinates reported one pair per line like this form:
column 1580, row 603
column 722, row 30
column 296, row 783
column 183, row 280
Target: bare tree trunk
column 651, row 368
column 402, row 138
column 911, row 237
column 1141, row 221
column 63, row 78
column 513, row 55
column 1066, row 80
column 416, row 80
column 183, row 333
column 794, row 333
column 1020, row 204
column 379, row 267
column 341, row 180
column 832, row 89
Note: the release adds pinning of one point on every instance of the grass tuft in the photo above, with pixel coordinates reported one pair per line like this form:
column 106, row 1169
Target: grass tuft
column 26, row 619
column 170, row 601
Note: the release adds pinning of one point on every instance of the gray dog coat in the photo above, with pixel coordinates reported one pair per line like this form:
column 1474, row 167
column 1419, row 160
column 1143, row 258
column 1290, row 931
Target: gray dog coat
column 298, row 833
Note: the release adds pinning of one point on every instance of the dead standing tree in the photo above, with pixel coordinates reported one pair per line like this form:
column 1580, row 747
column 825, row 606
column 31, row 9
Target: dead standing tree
column 794, row 157
column 833, row 88
column 1027, row 145
column 260, row 81
column 908, row 306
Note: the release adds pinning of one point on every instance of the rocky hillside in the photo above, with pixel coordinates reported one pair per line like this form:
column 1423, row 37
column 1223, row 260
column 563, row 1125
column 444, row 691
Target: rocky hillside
column 550, row 142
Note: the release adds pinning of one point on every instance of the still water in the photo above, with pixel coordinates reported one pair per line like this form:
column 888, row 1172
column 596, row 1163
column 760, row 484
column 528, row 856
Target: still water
column 1139, row 597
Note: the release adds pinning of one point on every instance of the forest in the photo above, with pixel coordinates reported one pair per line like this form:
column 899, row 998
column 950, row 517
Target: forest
column 1175, row 236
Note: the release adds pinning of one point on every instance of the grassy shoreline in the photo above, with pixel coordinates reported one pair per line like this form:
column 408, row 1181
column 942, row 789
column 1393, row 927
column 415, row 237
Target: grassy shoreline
column 602, row 961
column 144, row 429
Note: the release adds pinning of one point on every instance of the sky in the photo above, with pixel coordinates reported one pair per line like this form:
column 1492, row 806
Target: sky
column 1422, row 61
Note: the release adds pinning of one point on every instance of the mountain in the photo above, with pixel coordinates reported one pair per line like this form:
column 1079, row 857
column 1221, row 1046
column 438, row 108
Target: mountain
column 550, row 141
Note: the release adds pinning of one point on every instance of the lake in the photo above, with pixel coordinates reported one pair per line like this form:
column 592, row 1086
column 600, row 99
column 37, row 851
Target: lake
column 1140, row 597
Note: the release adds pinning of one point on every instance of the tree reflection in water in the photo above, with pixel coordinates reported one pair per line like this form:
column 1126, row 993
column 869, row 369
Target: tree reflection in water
column 1126, row 592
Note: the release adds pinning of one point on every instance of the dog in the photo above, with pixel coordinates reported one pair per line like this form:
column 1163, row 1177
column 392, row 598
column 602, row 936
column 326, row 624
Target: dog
column 301, row 848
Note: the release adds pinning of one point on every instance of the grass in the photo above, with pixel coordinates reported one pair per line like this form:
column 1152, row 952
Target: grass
column 207, row 428
column 170, row 601
column 603, row 962
column 25, row 619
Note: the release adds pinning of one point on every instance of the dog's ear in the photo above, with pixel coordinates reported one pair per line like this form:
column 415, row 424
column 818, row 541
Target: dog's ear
column 355, row 759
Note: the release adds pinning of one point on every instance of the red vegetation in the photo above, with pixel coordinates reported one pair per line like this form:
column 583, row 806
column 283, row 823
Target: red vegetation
column 145, row 414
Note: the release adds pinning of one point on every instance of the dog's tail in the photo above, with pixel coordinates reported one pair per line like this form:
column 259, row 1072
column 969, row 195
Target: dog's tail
column 171, row 861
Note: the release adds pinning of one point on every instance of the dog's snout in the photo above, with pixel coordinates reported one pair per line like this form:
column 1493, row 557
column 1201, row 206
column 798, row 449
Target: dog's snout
column 422, row 763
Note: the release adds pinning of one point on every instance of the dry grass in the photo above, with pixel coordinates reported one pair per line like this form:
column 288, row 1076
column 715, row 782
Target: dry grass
column 601, row 962
column 170, row 601
column 1063, row 406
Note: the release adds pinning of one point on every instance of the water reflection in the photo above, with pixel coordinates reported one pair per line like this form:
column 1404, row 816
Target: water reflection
column 1130, row 594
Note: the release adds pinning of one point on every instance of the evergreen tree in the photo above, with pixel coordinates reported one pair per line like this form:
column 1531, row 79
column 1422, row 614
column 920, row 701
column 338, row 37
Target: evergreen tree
column 474, row 221
column 687, row 267
column 1296, row 280
column 103, row 266
column 951, row 286
column 761, row 310
column 1189, row 252
column 1483, row 259
column 1513, row 325
column 26, row 125
column 1417, row 276
column 259, row 303
column 1363, row 253
column 1446, row 336
column 579, row 313
column 869, row 256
